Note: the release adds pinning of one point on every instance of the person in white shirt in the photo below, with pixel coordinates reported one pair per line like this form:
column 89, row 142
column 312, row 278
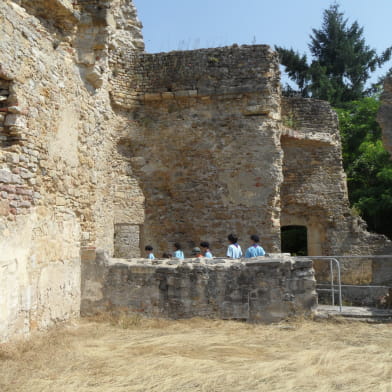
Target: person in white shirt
column 149, row 250
column 178, row 253
column 234, row 250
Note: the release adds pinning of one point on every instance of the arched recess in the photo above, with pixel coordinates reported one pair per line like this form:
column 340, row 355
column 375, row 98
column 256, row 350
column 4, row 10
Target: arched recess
column 315, row 232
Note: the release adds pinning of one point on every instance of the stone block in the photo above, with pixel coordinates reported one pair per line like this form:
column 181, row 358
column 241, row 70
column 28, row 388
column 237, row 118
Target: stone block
column 256, row 110
column 182, row 93
column 15, row 120
column 167, row 95
column 152, row 97
column 94, row 76
column 5, row 176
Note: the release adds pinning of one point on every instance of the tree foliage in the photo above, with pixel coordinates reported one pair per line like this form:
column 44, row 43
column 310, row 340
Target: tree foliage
column 341, row 64
column 341, row 61
column 367, row 164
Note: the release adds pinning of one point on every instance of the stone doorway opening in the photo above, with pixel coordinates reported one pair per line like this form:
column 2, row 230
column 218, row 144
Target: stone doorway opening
column 294, row 240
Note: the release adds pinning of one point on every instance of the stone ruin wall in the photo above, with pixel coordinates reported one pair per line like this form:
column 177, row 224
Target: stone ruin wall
column 217, row 149
column 57, row 180
column 264, row 289
column 104, row 147
column 201, row 133
column 314, row 194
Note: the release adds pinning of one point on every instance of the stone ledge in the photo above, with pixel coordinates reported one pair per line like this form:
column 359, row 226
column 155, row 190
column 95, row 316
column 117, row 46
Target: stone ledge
column 263, row 289
column 60, row 11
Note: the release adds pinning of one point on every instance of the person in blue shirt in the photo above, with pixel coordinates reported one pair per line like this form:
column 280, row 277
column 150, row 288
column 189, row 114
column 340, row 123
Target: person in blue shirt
column 149, row 250
column 205, row 247
column 254, row 250
column 178, row 253
column 234, row 250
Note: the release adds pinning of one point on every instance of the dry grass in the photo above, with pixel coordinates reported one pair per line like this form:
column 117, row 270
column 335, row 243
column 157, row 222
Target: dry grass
column 134, row 354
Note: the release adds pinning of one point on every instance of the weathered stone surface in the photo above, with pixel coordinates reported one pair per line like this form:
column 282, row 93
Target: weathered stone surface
column 56, row 143
column 205, row 72
column 126, row 240
column 314, row 192
column 266, row 289
column 219, row 164
column 233, row 150
column 184, row 146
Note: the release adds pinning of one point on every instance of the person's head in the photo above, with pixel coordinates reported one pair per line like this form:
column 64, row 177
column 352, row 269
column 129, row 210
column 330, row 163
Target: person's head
column 177, row 246
column 196, row 251
column 205, row 245
column 166, row 255
column 255, row 238
column 148, row 248
column 233, row 239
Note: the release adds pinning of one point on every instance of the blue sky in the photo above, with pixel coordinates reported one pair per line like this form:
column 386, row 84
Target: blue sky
column 193, row 24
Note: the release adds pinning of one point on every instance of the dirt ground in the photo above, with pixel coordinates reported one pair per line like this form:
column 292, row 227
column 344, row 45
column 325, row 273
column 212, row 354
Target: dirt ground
column 128, row 353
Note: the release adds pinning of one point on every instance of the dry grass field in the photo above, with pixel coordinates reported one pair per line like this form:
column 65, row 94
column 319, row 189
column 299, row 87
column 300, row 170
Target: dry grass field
column 134, row 354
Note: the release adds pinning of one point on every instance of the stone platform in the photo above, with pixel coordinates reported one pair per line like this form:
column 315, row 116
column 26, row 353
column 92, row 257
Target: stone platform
column 355, row 312
column 264, row 289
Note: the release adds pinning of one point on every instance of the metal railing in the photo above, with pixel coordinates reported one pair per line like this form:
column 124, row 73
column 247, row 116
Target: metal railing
column 335, row 260
column 332, row 260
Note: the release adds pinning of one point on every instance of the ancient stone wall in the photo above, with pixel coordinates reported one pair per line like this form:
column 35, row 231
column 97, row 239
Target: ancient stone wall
column 103, row 146
column 266, row 289
column 205, row 72
column 57, row 186
column 314, row 193
column 209, row 140
column 204, row 143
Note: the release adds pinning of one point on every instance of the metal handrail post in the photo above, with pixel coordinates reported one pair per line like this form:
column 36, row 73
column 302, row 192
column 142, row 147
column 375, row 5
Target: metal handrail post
column 339, row 284
column 332, row 282
column 335, row 259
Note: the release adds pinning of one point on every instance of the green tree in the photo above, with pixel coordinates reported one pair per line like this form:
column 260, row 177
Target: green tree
column 341, row 62
column 368, row 166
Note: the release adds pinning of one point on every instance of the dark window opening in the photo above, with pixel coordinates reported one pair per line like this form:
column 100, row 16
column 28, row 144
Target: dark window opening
column 294, row 240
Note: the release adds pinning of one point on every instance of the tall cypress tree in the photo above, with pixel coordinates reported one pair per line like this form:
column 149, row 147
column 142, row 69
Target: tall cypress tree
column 341, row 61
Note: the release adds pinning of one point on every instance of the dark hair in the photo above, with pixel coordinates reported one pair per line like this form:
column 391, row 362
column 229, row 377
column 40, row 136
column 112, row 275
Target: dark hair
column 166, row 255
column 232, row 238
column 149, row 248
column 255, row 238
column 205, row 244
column 177, row 245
